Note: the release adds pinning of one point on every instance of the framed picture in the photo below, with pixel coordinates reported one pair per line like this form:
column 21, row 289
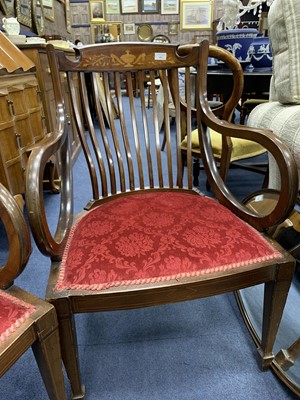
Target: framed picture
column 38, row 17
column 129, row 6
column 97, row 8
column 150, row 6
column 23, row 12
column 9, row 7
column 108, row 31
column 196, row 14
column 172, row 28
column 129, row 29
column 48, row 9
column 112, row 6
column 169, row 7
column 68, row 16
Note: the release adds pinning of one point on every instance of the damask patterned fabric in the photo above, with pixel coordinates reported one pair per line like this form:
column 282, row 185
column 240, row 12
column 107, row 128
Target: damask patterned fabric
column 13, row 313
column 154, row 237
column 284, row 33
column 283, row 120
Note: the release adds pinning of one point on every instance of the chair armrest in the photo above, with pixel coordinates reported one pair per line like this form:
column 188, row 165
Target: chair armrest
column 50, row 245
column 18, row 238
column 266, row 138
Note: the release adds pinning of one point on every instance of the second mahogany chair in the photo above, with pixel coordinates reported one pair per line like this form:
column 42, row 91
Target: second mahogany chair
column 25, row 320
column 146, row 237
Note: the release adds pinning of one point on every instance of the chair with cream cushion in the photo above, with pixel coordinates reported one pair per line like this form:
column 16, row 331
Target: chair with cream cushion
column 282, row 113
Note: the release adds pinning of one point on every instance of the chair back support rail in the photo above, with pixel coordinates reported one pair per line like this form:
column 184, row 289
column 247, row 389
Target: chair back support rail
column 121, row 141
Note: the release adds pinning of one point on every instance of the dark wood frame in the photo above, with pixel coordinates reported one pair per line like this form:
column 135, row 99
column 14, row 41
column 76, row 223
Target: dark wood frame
column 124, row 11
column 155, row 9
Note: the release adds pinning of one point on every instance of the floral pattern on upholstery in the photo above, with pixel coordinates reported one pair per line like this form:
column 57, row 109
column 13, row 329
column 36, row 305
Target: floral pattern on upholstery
column 13, row 313
column 157, row 236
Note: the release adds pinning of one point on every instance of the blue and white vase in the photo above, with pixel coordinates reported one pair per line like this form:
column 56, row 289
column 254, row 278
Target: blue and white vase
column 261, row 51
column 237, row 42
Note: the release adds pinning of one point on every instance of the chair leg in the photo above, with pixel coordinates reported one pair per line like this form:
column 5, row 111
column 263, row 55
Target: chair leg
column 48, row 356
column 196, row 171
column 69, row 348
column 275, row 296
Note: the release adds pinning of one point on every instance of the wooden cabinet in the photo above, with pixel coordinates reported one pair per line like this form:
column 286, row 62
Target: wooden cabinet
column 37, row 53
column 22, row 125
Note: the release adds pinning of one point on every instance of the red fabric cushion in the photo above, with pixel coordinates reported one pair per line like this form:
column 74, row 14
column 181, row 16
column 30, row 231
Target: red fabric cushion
column 13, row 312
column 157, row 236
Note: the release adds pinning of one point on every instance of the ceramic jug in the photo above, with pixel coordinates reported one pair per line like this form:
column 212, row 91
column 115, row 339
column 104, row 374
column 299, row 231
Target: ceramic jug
column 11, row 26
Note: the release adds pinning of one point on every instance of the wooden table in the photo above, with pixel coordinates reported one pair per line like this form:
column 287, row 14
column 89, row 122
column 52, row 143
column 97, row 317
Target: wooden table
column 221, row 81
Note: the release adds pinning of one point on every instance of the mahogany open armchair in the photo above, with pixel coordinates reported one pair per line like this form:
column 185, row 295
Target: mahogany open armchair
column 25, row 320
column 147, row 237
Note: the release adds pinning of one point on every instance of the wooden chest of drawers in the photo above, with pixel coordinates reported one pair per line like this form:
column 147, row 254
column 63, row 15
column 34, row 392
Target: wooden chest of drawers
column 22, row 125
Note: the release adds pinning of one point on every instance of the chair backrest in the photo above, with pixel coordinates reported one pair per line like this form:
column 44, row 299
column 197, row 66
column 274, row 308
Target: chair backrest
column 15, row 240
column 123, row 153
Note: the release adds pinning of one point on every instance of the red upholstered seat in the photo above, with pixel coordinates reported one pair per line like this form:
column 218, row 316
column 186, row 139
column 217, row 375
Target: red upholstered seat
column 158, row 236
column 13, row 312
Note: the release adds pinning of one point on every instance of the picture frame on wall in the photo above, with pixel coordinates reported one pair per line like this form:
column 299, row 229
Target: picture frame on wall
column 169, row 7
column 9, row 6
column 48, row 9
column 196, row 14
column 173, row 28
column 150, row 6
column 129, row 29
column 129, row 6
column 23, row 12
column 68, row 16
column 97, row 10
column 112, row 6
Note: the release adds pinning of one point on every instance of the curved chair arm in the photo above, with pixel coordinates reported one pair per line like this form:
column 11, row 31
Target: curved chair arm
column 281, row 153
column 18, row 238
column 225, row 110
column 51, row 245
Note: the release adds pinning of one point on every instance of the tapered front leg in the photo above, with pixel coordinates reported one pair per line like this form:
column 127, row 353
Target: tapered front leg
column 48, row 355
column 275, row 296
column 69, row 347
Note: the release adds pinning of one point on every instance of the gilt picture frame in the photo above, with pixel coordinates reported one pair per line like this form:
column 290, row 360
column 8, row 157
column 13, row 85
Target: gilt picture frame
column 196, row 15
column 48, row 6
column 97, row 10
column 150, row 6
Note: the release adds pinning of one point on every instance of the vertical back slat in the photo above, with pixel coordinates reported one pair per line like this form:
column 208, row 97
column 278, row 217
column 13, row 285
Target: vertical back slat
column 188, row 91
column 93, row 136
column 140, row 80
column 114, row 131
column 167, row 132
column 103, row 130
column 135, row 129
column 157, row 138
column 76, row 108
